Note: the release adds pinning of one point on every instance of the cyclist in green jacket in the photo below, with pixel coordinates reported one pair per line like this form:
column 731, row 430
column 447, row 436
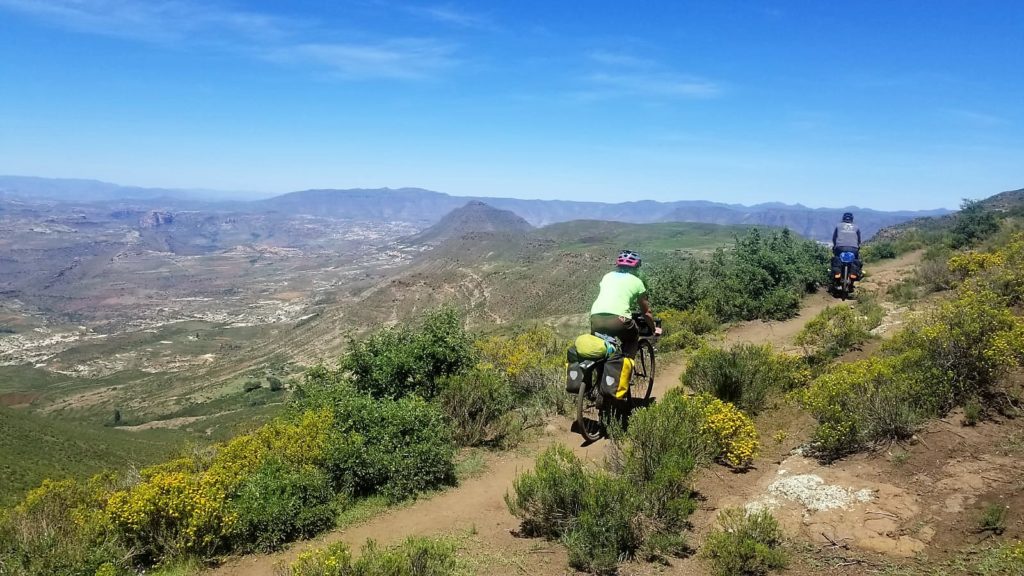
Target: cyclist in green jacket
column 621, row 292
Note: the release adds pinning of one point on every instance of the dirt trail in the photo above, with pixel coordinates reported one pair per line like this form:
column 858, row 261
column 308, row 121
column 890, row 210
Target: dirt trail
column 476, row 507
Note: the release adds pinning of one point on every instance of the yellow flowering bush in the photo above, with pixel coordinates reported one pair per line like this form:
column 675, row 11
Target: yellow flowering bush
column 179, row 507
column 333, row 560
column 967, row 264
column 733, row 431
column 414, row 557
column 515, row 354
column 967, row 344
column 60, row 528
column 175, row 513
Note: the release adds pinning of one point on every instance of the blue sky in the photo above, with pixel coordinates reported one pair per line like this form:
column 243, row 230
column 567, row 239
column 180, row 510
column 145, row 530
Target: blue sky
column 887, row 104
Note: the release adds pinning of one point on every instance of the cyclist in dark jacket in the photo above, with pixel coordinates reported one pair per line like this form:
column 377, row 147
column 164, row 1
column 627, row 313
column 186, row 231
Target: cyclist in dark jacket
column 846, row 238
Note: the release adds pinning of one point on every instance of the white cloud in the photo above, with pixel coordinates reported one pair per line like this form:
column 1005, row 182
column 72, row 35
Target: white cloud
column 447, row 14
column 407, row 59
column 159, row 21
column 189, row 23
column 620, row 75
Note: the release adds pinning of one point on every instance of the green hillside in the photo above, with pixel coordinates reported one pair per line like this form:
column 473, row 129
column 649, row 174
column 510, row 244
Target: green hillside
column 34, row 447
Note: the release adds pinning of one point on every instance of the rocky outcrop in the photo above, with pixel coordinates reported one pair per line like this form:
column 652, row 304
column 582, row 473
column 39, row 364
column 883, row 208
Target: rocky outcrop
column 155, row 218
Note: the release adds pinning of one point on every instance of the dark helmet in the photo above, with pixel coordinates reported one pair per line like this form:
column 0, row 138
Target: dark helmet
column 628, row 259
column 847, row 216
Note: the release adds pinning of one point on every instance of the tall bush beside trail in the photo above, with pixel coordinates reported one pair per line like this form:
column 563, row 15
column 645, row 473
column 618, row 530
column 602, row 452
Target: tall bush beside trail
column 970, row 342
column 548, row 499
column 401, row 360
column 862, row 402
column 762, row 276
column 610, row 526
column 744, row 375
column 664, row 446
column 837, row 330
column 279, row 503
column 405, row 445
column 480, row 405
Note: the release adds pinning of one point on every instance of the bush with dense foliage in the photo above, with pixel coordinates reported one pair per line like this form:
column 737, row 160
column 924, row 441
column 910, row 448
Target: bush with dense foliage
column 763, row 276
column 256, row 492
column 533, row 362
column 744, row 375
column 839, row 329
column 745, row 544
column 60, row 529
column 279, row 503
column 410, row 358
column 414, row 557
column 639, row 505
column 480, row 404
column 952, row 355
column 683, row 328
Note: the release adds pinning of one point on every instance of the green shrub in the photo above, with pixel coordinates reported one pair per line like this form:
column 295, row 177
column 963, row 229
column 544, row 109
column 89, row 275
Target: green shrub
column 745, row 544
column 744, row 375
column 663, row 447
column 480, row 405
column 973, row 411
column 683, row 328
column 968, row 344
column 610, row 525
column 993, row 519
column 407, row 444
column 973, row 223
column 548, row 499
column 835, row 331
column 601, row 518
column 862, row 402
column 400, row 360
column 60, row 529
column 763, row 276
column 876, row 251
column 414, row 557
column 279, row 503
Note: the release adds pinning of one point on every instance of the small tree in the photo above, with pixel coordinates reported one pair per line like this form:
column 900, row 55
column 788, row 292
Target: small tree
column 974, row 222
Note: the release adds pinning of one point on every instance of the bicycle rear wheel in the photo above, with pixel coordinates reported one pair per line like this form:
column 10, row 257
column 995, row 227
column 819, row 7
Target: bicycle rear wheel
column 641, row 382
column 588, row 413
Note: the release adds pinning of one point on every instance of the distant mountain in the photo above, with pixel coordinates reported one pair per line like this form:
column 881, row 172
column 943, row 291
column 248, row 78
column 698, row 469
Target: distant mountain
column 473, row 220
column 427, row 207
column 76, row 190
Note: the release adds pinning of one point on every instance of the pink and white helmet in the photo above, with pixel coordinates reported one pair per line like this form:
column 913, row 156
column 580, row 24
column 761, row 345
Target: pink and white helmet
column 628, row 258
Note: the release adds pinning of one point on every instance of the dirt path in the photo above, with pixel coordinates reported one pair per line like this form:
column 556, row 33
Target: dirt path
column 477, row 506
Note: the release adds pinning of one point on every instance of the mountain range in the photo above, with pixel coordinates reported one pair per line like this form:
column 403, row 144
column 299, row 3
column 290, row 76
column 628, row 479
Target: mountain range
column 425, row 207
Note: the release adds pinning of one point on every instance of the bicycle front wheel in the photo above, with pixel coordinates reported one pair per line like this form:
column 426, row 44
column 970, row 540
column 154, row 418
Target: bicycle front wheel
column 641, row 382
